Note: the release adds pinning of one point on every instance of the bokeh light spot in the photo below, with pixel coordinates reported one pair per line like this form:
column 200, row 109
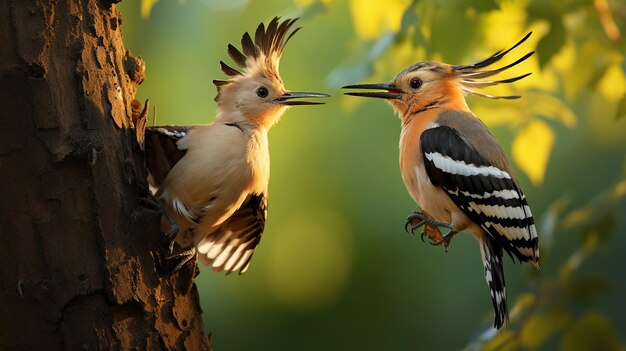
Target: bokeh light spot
column 311, row 261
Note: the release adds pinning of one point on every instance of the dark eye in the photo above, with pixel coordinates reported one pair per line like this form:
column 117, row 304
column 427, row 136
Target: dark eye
column 262, row 92
column 416, row 83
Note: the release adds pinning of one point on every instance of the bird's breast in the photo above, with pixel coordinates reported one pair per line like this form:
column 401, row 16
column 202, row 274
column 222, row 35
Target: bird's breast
column 411, row 153
column 258, row 159
column 414, row 176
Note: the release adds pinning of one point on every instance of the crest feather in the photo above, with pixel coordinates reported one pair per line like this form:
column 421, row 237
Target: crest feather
column 267, row 45
column 469, row 73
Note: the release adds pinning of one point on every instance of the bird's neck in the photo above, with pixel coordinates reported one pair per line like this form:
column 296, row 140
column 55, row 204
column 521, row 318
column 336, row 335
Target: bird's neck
column 451, row 101
column 260, row 121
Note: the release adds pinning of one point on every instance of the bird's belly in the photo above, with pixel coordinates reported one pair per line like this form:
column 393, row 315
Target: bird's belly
column 435, row 201
column 430, row 198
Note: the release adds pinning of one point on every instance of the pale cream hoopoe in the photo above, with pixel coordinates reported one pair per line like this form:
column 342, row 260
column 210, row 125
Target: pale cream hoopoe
column 454, row 168
column 213, row 178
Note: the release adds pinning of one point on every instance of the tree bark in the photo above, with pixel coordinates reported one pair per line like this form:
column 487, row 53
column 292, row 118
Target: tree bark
column 79, row 252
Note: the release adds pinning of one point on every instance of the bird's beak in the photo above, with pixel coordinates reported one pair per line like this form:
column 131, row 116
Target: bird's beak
column 391, row 91
column 286, row 98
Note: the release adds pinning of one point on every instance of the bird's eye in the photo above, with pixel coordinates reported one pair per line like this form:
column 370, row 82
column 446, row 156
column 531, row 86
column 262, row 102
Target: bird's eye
column 416, row 83
column 262, row 92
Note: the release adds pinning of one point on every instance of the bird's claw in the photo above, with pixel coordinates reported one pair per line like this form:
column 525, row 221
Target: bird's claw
column 170, row 247
column 410, row 221
column 431, row 229
column 185, row 257
column 445, row 240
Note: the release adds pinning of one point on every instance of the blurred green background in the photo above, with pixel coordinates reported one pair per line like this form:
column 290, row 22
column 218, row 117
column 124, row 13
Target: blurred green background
column 335, row 269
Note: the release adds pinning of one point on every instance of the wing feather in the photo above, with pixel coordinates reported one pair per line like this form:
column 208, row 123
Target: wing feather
column 230, row 247
column 487, row 194
column 162, row 153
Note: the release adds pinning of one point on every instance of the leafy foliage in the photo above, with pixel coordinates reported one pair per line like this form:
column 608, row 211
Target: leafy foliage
column 566, row 56
column 565, row 137
column 572, row 61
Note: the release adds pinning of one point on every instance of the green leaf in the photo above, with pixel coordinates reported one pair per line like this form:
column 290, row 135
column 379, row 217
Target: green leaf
column 522, row 304
column 592, row 331
column 312, row 10
column 350, row 73
column 599, row 231
column 549, row 223
column 540, row 327
column 591, row 63
column 409, row 19
column 504, row 341
column 146, row 7
column 585, row 288
column 553, row 42
column 484, row 5
column 454, row 20
column 621, row 108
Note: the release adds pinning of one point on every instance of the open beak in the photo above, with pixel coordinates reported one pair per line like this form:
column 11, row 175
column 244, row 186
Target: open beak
column 391, row 91
column 286, row 98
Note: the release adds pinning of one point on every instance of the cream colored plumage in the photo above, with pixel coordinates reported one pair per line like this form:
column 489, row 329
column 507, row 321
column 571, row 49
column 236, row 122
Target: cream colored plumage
column 213, row 179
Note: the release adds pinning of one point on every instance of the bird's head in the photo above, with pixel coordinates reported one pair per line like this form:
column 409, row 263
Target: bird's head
column 425, row 85
column 257, row 94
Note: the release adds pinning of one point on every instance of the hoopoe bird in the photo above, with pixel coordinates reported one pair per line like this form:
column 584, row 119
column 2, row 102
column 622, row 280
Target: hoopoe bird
column 454, row 168
column 213, row 179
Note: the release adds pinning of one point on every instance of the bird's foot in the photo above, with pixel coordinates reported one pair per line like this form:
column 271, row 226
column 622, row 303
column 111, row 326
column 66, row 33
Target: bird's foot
column 445, row 239
column 183, row 258
column 431, row 228
column 419, row 218
column 154, row 204
column 170, row 235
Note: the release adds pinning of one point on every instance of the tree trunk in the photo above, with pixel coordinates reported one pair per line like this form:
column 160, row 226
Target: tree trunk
column 79, row 252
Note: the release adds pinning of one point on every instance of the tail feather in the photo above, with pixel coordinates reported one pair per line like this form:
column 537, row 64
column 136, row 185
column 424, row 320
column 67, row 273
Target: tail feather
column 491, row 254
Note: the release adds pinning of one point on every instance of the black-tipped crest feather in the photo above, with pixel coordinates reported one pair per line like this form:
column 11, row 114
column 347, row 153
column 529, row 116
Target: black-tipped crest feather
column 492, row 59
column 268, row 41
column 249, row 49
column 259, row 35
column 468, row 73
column 236, row 55
column 229, row 70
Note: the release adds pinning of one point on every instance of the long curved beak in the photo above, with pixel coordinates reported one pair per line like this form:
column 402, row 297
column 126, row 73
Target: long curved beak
column 391, row 91
column 286, row 98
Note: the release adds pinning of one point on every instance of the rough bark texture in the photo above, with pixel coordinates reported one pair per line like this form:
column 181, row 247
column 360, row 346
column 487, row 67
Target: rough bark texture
column 79, row 252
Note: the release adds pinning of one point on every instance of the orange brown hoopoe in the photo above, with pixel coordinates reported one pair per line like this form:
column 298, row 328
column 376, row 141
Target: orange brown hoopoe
column 213, row 179
column 454, row 168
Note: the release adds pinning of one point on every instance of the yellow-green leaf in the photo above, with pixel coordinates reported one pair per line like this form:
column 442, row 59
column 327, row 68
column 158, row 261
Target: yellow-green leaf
column 531, row 149
column 540, row 327
column 552, row 107
column 372, row 18
column 586, row 287
column 522, row 303
column 592, row 331
column 505, row 340
column 621, row 108
column 146, row 7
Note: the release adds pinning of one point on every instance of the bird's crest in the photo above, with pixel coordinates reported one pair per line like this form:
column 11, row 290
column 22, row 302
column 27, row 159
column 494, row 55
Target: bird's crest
column 261, row 53
column 469, row 74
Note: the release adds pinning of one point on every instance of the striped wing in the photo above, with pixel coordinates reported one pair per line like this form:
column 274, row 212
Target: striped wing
column 161, row 151
column 488, row 195
column 230, row 248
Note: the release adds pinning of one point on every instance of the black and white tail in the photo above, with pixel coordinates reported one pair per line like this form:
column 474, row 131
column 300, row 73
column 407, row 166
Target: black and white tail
column 491, row 254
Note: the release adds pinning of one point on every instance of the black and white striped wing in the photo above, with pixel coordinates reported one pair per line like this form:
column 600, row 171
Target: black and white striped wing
column 230, row 248
column 489, row 196
column 161, row 151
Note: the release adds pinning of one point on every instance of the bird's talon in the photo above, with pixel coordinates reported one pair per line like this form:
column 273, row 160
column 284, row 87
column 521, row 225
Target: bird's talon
column 185, row 257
